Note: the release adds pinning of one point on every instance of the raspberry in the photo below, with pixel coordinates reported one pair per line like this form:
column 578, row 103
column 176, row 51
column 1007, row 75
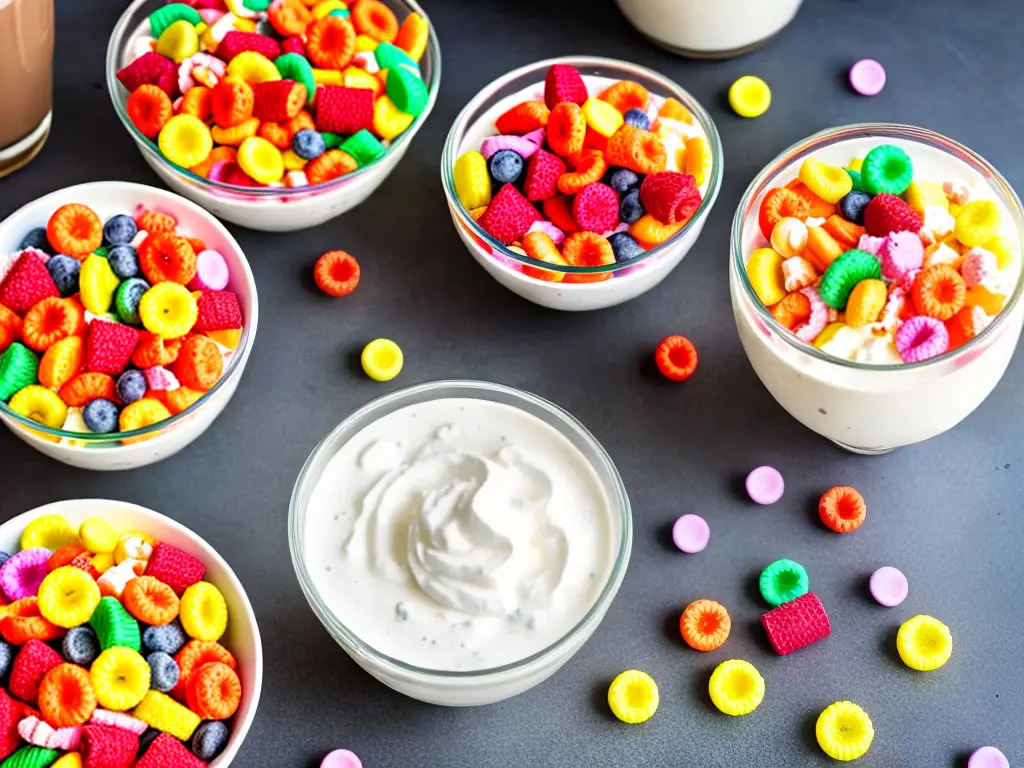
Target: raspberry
column 30, row 666
column 10, row 716
column 278, row 101
column 796, row 624
column 27, row 283
column 175, row 568
column 103, row 746
column 236, row 42
column 563, row 83
column 343, row 110
column 508, row 216
column 150, row 68
column 542, row 172
column 670, row 196
column 109, row 347
column 167, row 752
column 887, row 213
column 218, row 311
column 596, row 208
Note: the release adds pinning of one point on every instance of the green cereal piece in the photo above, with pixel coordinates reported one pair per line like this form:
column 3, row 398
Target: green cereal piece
column 331, row 140
column 30, row 756
column 782, row 581
column 407, row 90
column 162, row 18
column 294, row 66
column 858, row 183
column 390, row 55
column 18, row 368
column 844, row 273
column 114, row 626
column 256, row 5
column 887, row 170
column 363, row 146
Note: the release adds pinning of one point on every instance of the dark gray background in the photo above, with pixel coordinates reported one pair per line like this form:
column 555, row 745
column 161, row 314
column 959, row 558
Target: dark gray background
column 947, row 512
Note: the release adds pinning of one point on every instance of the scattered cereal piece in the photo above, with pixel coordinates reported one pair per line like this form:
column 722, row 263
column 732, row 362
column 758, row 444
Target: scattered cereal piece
column 343, row 758
column 924, row 643
column 842, row 509
column 987, row 757
column 705, row 625
column 796, row 624
column 844, row 731
column 782, row 581
column 750, row 96
column 382, row 359
column 336, row 273
column 765, row 485
column 888, row 586
column 676, row 358
column 736, row 687
column 633, row 696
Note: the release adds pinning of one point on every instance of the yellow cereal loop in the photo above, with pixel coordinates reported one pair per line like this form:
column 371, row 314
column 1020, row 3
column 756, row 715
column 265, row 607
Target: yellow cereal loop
column 160, row 711
column 178, row 41
column 924, row 643
column 169, row 310
column 750, row 96
column 389, row 121
column 142, row 413
column 472, row 181
column 633, row 696
column 736, row 687
column 292, row 162
column 48, row 532
column 253, row 67
column 68, row 596
column 120, row 678
column 365, row 43
column 844, row 731
column 1005, row 250
column 828, row 182
column 866, row 302
column 698, row 159
column 103, row 561
column 40, row 404
column 602, row 117
column 978, row 223
column 185, row 140
column 322, row 9
column 328, row 77
column 764, row 270
column 204, row 612
column 97, row 535
column 921, row 194
column 382, row 359
column 828, row 334
column 261, row 160
column 236, row 134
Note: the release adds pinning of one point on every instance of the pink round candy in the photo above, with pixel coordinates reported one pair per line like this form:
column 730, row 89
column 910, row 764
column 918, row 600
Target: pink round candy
column 341, row 758
column 212, row 272
column 867, row 77
column 765, row 485
column 22, row 574
column 888, row 586
column 691, row 534
column 987, row 757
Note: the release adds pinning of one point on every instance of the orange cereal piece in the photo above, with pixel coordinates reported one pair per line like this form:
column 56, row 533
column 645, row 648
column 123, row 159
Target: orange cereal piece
column 939, row 292
column 154, row 350
column 590, row 169
column 636, row 149
column 10, row 327
column 374, row 19
column 235, row 135
column 540, row 246
column 329, row 166
column 331, row 42
column 197, row 101
column 21, row 621
column 302, row 121
column 705, row 625
column 227, row 154
column 818, row 208
column 822, row 249
column 63, row 556
column 150, row 601
column 149, row 108
column 277, row 134
column 194, row 655
column 214, row 692
column 842, row 509
column 51, row 320
column 199, row 364
column 780, row 203
column 587, row 249
column 576, row 159
column 75, row 229
column 566, row 129
column 86, row 387
column 288, row 17
column 649, row 232
column 336, row 273
column 154, row 221
column 846, row 233
column 673, row 109
column 66, row 697
column 990, row 301
column 231, row 102
column 61, row 362
column 793, row 310
column 523, row 118
column 626, row 95
column 165, row 257
column 412, row 35
column 180, row 399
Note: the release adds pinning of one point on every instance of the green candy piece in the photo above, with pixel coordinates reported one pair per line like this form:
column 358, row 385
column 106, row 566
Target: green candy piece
column 18, row 368
column 102, row 251
column 858, row 184
column 363, row 146
column 887, row 170
column 341, row 13
column 331, row 140
column 256, row 5
column 390, row 56
column 844, row 273
column 294, row 66
column 126, row 300
column 782, row 581
column 407, row 90
column 31, row 757
column 114, row 626
column 162, row 18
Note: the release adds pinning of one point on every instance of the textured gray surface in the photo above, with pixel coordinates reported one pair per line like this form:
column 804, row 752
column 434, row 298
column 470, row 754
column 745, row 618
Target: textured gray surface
column 946, row 512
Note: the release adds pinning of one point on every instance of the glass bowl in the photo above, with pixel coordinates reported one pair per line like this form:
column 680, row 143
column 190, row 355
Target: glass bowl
column 630, row 278
column 264, row 208
column 480, row 686
column 861, row 407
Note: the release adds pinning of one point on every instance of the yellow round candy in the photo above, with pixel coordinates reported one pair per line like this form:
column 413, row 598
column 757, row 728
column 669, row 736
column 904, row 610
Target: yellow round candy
column 924, row 643
column 40, row 404
column 978, row 223
column 844, row 731
column 389, row 122
column 866, row 302
column 472, row 180
column 253, row 68
column 829, row 182
column 382, row 359
column 633, row 696
column 142, row 413
column 261, row 160
column 750, row 96
column 68, row 596
column 602, row 117
column 204, row 612
column 133, row 546
column 178, row 41
column 97, row 535
column 764, row 270
column 1005, row 250
column 828, row 334
column 97, row 284
column 736, row 687
column 120, row 678
column 169, row 310
column 185, row 140
column 48, row 532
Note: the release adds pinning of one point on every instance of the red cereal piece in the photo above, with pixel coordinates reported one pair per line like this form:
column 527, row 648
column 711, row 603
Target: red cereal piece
column 174, row 567
column 889, row 213
column 796, row 624
column 564, row 83
column 340, row 109
column 27, row 283
column 231, row 102
column 150, row 68
column 218, row 311
column 20, row 622
column 75, row 229
column 164, row 256
column 278, row 100
column 199, row 364
column 676, row 358
column 523, row 118
column 194, row 655
column 558, row 210
column 167, row 752
column 30, row 666
column 109, row 347
column 63, row 556
column 236, row 42
column 83, row 562
column 51, row 320
column 670, row 196
column 104, row 746
column 66, row 697
column 842, row 509
column 778, row 204
column 508, row 216
column 542, row 172
column 336, row 273
column 10, row 716
column 596, row 208
column 294, row 44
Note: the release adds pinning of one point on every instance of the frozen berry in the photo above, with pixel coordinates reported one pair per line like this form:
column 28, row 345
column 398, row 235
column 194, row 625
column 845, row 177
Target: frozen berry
column 131, row 386
column 637, row 118
column 64, row 270
column 308, row 144
column 170, row 638
column 851, row 207
column 564, row 83
column 120, row 229
column 622, row 180
column 36, row 239
column 631, row 209
column 506, row 166
column 624, row 246
column 100, row 416
column 163, row 671
column 209, row 739
column 81, row 646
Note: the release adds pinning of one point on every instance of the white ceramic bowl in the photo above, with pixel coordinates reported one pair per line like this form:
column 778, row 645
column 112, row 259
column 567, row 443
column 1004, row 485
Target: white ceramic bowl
column 108, row 452
column 482, row 686
column 262, row 208
column 629, row 279
column 243, row 635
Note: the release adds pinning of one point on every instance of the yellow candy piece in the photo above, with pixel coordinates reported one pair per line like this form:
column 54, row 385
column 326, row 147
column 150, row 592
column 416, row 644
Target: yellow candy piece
column 103, row 562
column 866, row 302
column 253, row 67
column 354, row 77
column 856, row 164
column 40, row 404
column 69, row 760
column 236, row 134
column 204, row 612
column 921, row 194
column 924, row 643
column 328, row 77
column 261, row 160
column 169, row 310
column 736, row 687
column 382, row 359
column 978, row 223
column 322, row 9
column 633, row 696
column 97, row 535
column 48, row 532
column 133, row 546
column 844, row 731
column 68, row 596
column 389, row 122
column 293, row 162
column 120, row 678
column 142, row 413
column 698, row 159
column 828, row 333
column 160, row 711
column 828, row 182
column 179, row 41
column 602, row 117
column 750, row 96
column 97, row 284
column 472, row 180
column 764, row 270
column 365, row 43
column 1005, row 250
column 185, row 140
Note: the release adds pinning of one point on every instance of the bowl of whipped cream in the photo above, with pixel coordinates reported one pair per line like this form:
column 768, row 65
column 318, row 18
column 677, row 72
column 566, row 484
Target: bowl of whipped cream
column 460, row 540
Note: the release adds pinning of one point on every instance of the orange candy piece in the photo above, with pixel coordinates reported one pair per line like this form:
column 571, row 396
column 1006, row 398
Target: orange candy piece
column 939, row 292
column 153, row 350
column 51, row 320
column 10, row 327
column 214, row 692
column 194, row 655
column 153, row 221
column 301, row 122
column 540, row 246
column 818, row 207
column 566, row 129
column 591, row 168
column 846, row 233
column 66, row 697
column 961, row 328
column 793, row 310
column 149, row 108
column 62, row 362
column 649, row 232
column 587, row 249
column 780, row 203
column 523, row 118
column 86, row 387
column 842, row 509
column 705, row 625
column 231, row 102
column 150, row 601
column 331, row 165
column 166, row 257
column 673, row 109
column 331, row 42
column 75, row 230
column 626, row 95
column 180, row 399
column 197, row 101
column 277, row 134
column 990, row 301
column 63, row 556
column 636, row 149
column 336, row 273
column 822, row 249
column 374, row 19
column 199, row 364
column 288, row 17
column 21, row 621
column 227, row 154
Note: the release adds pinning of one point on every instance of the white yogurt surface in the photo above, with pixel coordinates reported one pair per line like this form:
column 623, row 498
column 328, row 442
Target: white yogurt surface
column 459, row 534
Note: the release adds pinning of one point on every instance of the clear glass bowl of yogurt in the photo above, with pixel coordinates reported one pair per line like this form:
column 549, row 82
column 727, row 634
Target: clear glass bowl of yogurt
column 629, row 278
column 876, row 403
column 460, row 540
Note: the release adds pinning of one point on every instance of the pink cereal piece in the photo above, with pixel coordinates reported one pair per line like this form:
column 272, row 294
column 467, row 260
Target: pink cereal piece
column 798, row 273
column 815, row 324
column 867, row 77
column 870, row 244
column 518, row 144
column 921, row 338
column 765, row 485
column 537, row 137
column 118, row 720
column 208, row 62
column 691, row 534
column 22, row 574
column 212, row 272
column 900, row 253
column 506, row 261
column 888, row 586
column 549, row 229
column 979, row 264
column 957, row 192
column 42, row 734
column 159, row 379
column 987, row 757
column 211, row 15
column 341, row 758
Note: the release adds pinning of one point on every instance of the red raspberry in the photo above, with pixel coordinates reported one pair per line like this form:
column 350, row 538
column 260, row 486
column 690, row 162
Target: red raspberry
column 564, row 83
column 278, row 101
column 343, row 110
column 175, row 567
column 888, row 213
column 508, row 216
column 796, row 624
column 236, row 42
column 670, row 196
column 596, row 208
column 542, row 172
column 30, row 666
column 109, row 347
column 10, row 716
column 218, row 311
column 27, row 283
column 167, row 752
column 106, row 747
column 150, row 68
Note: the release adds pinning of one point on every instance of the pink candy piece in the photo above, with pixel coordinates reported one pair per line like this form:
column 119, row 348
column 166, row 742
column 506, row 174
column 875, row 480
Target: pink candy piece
column 888, row 586
column 210, row 15
column 870, row 244
column 549, row 229
column 219, row 171
column 987, row 757
column 815, row 324
column 159, row 379
column 518, row 144
column 900, row 252
column 341, row 758
column 978, row 265
column 921, row 338
column 537, row 137
column 41, row 734
column 765, row 485
column 867, row 77
column 691, row 534
column 118, row 720
column 22, row 574
column 212, row 272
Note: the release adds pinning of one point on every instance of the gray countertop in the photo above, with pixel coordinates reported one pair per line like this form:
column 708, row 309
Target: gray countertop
column 948, row 512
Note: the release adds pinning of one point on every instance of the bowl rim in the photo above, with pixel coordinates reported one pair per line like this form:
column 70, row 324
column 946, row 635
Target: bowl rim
column 234, row 366
column 115, row 91
column 627, row 69
column 838, row 134
column 381, row 406
column 242, row 727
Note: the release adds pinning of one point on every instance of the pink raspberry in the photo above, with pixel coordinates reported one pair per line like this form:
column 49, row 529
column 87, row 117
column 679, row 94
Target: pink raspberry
column 167, row 752
column 670, row 196
column 508, row 216
column 106, row 747
column 109, row 347
column 150, row 68
column 564, row 83
column 343, row 110
column 218, row 311
column 596, row 208
column 888, row 213
column 542, row 172
column 236, row 42
column 175, row 567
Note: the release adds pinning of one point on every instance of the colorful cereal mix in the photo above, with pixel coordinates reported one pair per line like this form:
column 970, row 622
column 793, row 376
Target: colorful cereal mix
column 844, row 731
column 633, row 696
column 705, row 625
column 736, row 687
column 924, row 643
column 796, row 624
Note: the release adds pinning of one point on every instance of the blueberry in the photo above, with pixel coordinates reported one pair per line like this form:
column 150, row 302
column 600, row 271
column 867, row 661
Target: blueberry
column 124, row 261
column 169, row 638
column 637, row 118
column 120, row 229
column 209, row 740
column 131, row 386
column 852, row 206
column 64, row 271
column 630, row 208
column 308, row 144
column 6, row 655
column 163, row 671
column 100, row 416
column 622, row 180
column 81, row 646
column 126, row 300
column 506, row 166
column 36, row 239
column 624, row 246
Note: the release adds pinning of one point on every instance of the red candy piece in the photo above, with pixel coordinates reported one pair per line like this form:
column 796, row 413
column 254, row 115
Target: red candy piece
column 106, row 747
column 236, row 42
column 343, row 110
column 218, row 311
column 596, row 208
column 670, row 196
column 889, row 213
column 564, row 83
column 109, row 347
column 796, row 624
column 30, row 666
column 175, row 567
column 278, row 101
column 558, row 210
column 10, row 716
column 509, row 215
column 542, row 172
column 167, row 752
column 26, row 284
column 150, row 68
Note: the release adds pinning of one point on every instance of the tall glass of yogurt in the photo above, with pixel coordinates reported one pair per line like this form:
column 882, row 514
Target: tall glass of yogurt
column 876, row 403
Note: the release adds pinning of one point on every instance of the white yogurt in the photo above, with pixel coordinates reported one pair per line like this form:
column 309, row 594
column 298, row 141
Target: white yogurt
column 459, row 534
